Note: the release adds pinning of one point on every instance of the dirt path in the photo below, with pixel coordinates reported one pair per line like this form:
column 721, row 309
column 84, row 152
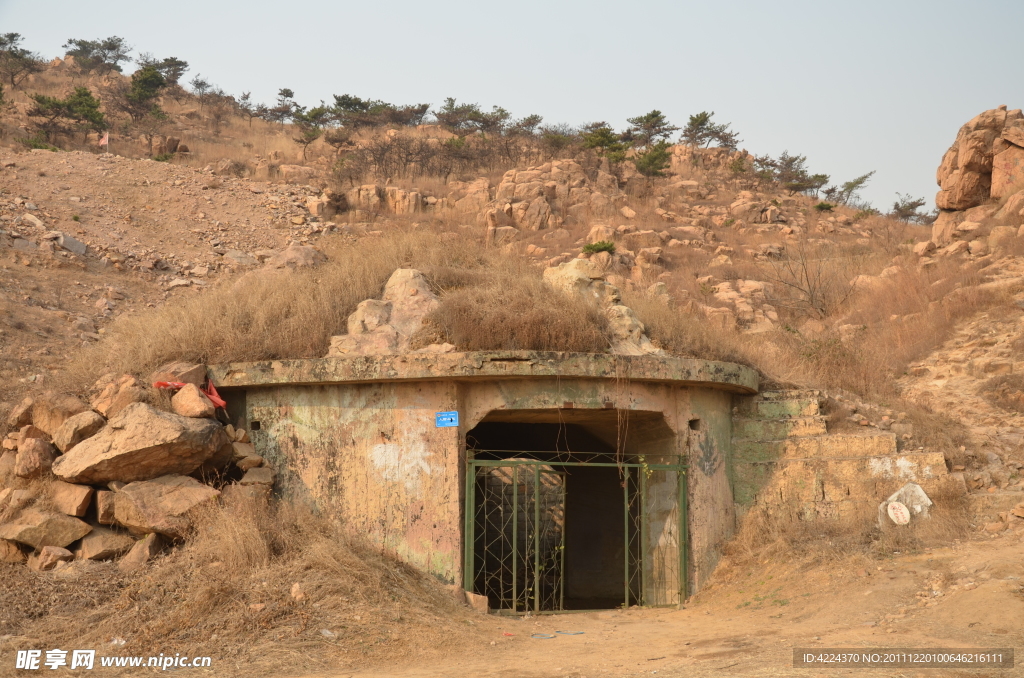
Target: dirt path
column 748, row 622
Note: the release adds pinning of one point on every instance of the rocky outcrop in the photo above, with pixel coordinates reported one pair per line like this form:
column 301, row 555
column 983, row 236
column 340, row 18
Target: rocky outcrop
column 385, row 326
column 141, row 443
column 544, row 196
column 985, row 161
column 585, row 278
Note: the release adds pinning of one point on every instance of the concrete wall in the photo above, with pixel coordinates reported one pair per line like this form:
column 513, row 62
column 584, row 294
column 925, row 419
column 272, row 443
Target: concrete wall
column 371, row 454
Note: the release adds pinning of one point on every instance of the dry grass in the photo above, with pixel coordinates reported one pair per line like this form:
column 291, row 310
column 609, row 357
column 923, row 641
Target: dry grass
column 519, row 312
column 227, row 594
column 774, row 532
column 491, row 300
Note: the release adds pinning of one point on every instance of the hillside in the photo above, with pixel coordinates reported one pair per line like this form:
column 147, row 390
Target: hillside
column 250, row 246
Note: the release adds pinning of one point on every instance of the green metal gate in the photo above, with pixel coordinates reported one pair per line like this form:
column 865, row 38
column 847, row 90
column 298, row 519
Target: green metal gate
column 515, row 531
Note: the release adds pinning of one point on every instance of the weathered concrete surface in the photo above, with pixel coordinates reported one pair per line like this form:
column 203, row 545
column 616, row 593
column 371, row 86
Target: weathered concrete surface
column 784, row 457
column 488, row 365
column 356, row 436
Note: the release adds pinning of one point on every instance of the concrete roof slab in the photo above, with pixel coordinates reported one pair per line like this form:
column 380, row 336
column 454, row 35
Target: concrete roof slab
column 487, row 365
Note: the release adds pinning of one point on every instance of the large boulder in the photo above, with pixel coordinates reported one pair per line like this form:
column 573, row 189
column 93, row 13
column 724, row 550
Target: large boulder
column 76, row 429
column 51, row 410
column 161, row 505
column 141, row 443
column 41, row 528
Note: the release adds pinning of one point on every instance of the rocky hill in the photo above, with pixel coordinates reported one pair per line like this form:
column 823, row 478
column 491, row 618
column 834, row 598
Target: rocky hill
column 240, row 245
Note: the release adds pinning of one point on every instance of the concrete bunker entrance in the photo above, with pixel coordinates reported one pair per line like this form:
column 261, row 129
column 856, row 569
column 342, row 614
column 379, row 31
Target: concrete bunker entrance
column 573, row 509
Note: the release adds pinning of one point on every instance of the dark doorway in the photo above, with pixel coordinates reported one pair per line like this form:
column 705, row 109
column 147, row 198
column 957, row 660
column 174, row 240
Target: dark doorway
column 559, row 517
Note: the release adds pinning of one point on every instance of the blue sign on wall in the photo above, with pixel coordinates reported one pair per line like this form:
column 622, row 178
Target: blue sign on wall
column 444, row 419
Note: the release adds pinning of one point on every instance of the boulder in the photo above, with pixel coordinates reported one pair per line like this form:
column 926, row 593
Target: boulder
column 21, row 415
column 385, row 326
column 35, row 457
column 119, row 394
column 246, row 463
column 181, row 372
column 235, row 494
column 627, row 332
column 296, row 174
column 297, row 256
column 258, row 476
column 30, row 431
column 601, row 233
column 53, row 409
column 140, row 443
column 10, row 552
column 189, row 401
column 41, row 528
column 105, row 507
column 48, row 557
column 70, row 499
column 537, row 215
column 161, row 505
column 104, row 544
column 76, row 429
column 140, row 554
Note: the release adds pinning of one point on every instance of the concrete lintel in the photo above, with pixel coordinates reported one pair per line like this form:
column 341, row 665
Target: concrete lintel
column 487, row 365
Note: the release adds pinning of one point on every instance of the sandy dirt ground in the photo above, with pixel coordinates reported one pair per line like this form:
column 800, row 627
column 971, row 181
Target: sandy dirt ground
column 750, row 619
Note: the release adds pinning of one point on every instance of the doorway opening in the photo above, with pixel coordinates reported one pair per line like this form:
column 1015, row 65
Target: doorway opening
column 566, row 512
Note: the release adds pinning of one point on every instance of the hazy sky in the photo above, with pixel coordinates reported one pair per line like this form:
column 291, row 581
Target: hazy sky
column 854, row 86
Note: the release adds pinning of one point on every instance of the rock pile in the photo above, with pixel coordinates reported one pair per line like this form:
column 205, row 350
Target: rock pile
column 120, row 476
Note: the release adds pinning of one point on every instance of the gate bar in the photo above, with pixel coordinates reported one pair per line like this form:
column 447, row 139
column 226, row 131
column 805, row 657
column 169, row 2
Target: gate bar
column 515, row 537
column 469, row 573
column 536, row 539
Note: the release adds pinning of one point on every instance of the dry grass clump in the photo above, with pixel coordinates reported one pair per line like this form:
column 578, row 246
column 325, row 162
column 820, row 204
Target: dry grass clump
column 778, row 531
column 227, row 594
column 519, row 312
